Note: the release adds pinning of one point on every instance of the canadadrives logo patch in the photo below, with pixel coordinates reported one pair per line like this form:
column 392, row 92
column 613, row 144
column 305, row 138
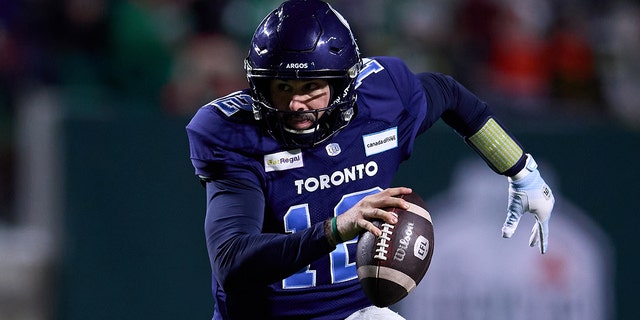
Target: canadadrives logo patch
column 284, row 160
column 380, row 141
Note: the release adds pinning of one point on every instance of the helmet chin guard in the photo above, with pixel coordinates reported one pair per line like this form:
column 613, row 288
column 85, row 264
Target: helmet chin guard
column 304, row 39
column 325, row 126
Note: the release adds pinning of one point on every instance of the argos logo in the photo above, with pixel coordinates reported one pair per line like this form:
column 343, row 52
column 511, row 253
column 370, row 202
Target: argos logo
column 300, row 65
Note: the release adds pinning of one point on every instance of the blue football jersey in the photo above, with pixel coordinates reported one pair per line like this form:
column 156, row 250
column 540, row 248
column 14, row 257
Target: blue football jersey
column 303, row 188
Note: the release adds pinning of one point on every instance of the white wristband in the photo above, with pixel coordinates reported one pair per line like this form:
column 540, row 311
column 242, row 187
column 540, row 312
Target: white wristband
column 528, row 168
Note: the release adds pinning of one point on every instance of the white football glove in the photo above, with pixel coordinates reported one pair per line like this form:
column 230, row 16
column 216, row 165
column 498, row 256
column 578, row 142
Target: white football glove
column 529, row 193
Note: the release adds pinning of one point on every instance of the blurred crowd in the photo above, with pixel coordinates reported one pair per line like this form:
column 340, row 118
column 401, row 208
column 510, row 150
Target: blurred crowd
column 568, row 59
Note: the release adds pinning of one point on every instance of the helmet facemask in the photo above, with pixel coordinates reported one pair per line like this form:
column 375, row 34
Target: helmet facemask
column 327, row 121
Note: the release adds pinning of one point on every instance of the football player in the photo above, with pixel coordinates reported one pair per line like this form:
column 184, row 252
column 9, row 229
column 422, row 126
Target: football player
column 300, row 163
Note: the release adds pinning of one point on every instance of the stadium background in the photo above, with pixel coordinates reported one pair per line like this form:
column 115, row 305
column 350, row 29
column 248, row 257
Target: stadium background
column 101, row 216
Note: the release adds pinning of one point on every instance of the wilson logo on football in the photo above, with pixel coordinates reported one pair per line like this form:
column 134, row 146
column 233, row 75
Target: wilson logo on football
column 404, row 243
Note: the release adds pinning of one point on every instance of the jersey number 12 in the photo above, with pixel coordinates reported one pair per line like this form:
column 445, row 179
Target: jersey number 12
column 342, row 269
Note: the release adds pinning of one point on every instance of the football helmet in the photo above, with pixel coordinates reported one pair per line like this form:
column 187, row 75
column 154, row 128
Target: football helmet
column 304, row 39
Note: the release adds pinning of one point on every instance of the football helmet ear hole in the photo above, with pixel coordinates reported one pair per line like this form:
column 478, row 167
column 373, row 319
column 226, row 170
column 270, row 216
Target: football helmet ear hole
column 262, row 88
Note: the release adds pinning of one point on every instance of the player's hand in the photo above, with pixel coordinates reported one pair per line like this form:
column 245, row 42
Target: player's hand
column 359, row 217
column 530, row 194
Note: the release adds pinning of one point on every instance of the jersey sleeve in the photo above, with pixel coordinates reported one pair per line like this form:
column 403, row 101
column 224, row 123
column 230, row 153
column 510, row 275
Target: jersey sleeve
column 449, row 100
column 393, row 94
column 240, row 255
column 219, row 145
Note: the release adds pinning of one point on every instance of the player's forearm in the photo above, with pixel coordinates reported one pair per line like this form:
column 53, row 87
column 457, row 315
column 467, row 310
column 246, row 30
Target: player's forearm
column 475, row 122
column 261, row 259
column 499, row 149
column 240, row 254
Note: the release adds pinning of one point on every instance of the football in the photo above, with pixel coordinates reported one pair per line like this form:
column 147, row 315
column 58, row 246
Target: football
column 392, row 265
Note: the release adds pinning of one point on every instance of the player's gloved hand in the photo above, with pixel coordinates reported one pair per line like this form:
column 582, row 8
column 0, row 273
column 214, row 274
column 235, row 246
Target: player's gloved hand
column 529, row 193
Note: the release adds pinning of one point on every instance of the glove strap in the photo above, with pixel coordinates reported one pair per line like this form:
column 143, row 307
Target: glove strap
column 529, row 167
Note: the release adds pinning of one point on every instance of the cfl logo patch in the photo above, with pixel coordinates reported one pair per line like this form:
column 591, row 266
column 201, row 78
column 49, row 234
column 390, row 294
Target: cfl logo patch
column 421, row 248
column 333, row 149
column 546, row 192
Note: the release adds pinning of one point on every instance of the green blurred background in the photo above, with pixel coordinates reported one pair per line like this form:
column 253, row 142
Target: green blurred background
column 101, row 216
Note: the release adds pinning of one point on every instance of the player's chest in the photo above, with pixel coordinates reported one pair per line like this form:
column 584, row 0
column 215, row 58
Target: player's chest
column 325, row 181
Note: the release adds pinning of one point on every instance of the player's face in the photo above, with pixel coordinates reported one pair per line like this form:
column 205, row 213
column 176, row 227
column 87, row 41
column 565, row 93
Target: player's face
column 300, row 95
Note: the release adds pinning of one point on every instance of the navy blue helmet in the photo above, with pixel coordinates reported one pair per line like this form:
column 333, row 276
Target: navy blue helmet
column 304, row 39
